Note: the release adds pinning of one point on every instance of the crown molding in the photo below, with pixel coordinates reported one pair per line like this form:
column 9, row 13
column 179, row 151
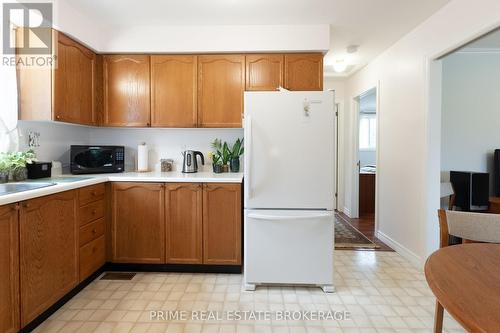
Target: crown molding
column 479, row 50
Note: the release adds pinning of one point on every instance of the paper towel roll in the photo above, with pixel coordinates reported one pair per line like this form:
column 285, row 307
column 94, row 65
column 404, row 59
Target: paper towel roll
column 142, row 157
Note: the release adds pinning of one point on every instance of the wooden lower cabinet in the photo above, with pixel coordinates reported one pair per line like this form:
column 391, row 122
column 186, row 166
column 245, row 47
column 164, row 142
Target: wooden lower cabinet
column 183, row 203
column 92, row 257
column 48, row 251
column 9, row 268
column 222, row 224
column 138, row 227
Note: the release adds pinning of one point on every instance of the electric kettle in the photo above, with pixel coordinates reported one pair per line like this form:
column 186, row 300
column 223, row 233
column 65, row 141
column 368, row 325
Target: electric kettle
column 190, row 163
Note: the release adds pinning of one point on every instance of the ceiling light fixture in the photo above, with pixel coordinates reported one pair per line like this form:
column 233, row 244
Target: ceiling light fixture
column 352, row 48
column 340, row 66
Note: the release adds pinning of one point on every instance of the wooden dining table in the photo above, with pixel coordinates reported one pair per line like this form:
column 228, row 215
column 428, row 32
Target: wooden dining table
column 466, row 281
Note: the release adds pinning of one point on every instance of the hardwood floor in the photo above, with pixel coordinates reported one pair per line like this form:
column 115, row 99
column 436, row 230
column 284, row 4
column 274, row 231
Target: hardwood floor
column 366, row 225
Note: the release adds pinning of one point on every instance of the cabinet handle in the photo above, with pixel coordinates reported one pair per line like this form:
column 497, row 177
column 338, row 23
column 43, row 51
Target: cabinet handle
column 27, row 205
column 94, row 212
column 148, row 124
column 58, row 117
column 94, row 193
column 16, row 207
column 94, row 231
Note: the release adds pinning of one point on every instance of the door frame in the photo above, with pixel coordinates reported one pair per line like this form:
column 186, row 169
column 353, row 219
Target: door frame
column 355, row 153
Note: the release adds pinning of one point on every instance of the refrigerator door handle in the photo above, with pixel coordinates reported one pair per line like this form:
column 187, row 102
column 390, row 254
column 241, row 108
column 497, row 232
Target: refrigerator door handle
column 248, row 154
column 287, row 217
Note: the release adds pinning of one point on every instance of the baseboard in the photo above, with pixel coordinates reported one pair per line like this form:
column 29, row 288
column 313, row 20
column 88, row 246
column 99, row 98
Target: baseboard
column 177, row 268
column 414, row 259
column 347, row 212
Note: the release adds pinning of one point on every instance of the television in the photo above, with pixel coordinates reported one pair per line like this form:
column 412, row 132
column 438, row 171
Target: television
column 496, row 173
column 471, row 190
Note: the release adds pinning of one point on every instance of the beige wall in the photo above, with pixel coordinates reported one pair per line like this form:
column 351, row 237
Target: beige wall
column 409, row 126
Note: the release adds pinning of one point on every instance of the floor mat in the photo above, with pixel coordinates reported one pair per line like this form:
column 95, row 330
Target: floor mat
column 346, row 236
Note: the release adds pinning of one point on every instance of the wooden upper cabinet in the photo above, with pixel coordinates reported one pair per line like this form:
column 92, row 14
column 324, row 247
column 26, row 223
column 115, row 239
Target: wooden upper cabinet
column 264, row 72
column 221, row 83
column 126, row 90
column 48, row 251
column 304, row 71
column 138, row 226
column 65, row 91
column 74, row 82
column 9, row 269
column 173, row 91
column 222, row 224
column 183, row 202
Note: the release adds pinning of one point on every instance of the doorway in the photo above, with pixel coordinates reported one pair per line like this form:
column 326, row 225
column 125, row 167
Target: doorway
column 364, row 172
column 367, row 154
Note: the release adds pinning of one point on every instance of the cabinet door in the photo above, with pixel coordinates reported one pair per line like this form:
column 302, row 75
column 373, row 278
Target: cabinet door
column 138, row 225
column 264, row 71
column 222, row 224
column 9, row 269
column 48, row 251
column 184, row 223
column 221, row 83
column 126, row 90
column 173, row 91
column 304, row 71
column 74, row 80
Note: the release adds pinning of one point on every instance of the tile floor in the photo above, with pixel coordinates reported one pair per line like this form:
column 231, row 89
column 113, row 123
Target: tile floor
column 381, row 291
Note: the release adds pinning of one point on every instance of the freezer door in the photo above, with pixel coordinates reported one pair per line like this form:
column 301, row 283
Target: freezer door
column 289, row 150
column 288, row 247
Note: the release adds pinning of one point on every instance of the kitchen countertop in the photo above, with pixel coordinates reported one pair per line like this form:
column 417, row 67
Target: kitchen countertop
column 66, row 182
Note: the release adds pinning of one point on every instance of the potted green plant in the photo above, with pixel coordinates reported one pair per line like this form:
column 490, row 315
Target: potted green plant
column 226, row 157
column 18, row 161
column 4, row 167
column 236, row 152
column 216, row 162
column 223, row 154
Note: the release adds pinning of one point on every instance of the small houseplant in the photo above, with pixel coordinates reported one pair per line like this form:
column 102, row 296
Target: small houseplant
column 222, row 154
column 18, row 161
column 4, row 167
column 236, row 152
column 216, row 162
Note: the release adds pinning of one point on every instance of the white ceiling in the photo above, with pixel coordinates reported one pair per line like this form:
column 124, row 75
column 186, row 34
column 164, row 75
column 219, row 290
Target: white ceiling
column 373, row 25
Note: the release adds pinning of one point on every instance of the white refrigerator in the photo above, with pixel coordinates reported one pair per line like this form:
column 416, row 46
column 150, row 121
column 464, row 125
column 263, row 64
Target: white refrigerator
column 289, row 188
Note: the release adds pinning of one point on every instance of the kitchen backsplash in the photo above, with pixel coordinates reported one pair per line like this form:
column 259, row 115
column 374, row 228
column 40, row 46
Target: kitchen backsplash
column 55, row 139
column 162, row 143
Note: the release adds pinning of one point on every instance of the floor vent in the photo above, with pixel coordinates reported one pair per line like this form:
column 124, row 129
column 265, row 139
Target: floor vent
column 117, row 276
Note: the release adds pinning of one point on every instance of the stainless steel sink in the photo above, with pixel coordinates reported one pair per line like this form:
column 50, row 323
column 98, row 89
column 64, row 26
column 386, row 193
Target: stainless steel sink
column 10, row 188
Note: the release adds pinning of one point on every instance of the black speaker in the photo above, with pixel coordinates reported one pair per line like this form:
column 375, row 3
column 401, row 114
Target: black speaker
column 496, row 173
column 471, row 190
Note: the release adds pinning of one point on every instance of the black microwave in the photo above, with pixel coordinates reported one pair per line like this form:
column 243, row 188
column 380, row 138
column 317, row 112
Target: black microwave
column 97, row 159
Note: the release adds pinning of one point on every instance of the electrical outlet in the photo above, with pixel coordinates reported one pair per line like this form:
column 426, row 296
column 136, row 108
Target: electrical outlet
column 33, row 139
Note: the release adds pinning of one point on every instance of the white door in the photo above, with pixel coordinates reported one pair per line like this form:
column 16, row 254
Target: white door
column 289, row 150
column 289, row 247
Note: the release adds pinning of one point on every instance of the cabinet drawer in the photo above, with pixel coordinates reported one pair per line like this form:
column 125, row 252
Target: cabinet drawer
column 91, row 212
column 91, row 193
column 91, row 231
column 92, row 257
